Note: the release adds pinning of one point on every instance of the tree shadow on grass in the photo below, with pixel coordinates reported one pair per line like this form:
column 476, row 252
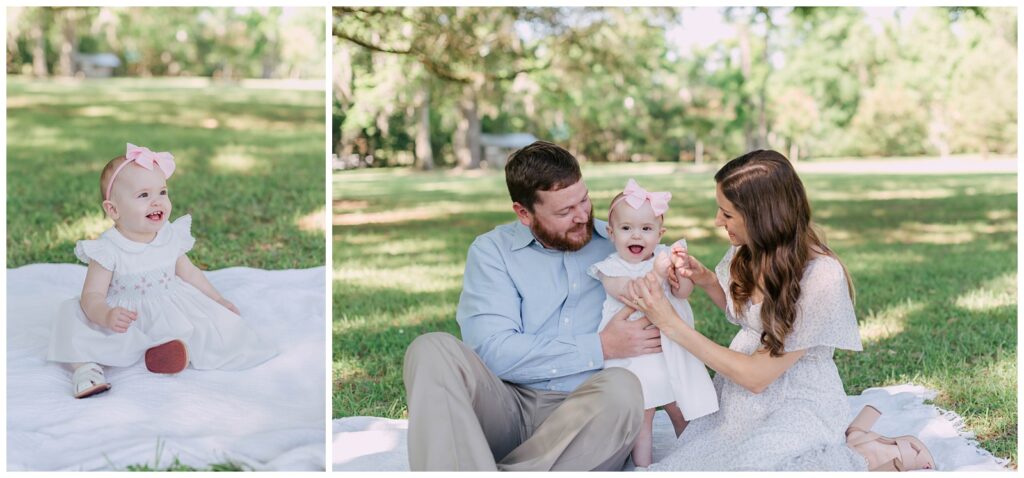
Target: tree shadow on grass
column 243, row 186
column 912, row 259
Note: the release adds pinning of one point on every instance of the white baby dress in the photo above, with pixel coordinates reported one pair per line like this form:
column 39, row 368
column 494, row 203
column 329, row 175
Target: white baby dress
column 674, row 375
column 168, row 308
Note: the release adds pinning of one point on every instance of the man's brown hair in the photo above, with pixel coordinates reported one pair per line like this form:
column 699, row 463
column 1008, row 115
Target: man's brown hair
column 540, row 166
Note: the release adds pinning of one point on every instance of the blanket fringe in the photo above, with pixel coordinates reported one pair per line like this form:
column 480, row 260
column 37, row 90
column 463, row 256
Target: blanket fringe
column 958, row 424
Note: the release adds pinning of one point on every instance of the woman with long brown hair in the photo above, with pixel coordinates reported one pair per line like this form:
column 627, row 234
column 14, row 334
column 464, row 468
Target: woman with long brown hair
column 782, row 402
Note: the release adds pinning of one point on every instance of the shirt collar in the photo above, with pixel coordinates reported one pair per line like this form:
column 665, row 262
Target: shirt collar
column 522, row 236
column 162, row 236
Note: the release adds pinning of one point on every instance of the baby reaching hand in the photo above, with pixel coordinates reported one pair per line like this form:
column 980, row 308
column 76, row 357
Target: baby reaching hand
column 673, row 379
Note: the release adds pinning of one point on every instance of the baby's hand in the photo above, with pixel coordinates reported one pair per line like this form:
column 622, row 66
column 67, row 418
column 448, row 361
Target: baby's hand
column 662, row 266
column 227, row 303
column 677, row 259
column 119, row 319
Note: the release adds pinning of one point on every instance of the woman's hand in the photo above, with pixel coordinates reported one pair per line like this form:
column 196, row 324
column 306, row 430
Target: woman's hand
column 647, row 295
column 119, row 319
column 227, row 303
column 689, row 267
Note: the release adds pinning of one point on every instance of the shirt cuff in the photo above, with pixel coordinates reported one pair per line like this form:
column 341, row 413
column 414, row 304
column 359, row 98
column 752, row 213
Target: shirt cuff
column 590, row 349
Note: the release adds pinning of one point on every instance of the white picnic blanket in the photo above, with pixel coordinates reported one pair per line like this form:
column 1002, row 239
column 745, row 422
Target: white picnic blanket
column 270, row 417
column 379, row 444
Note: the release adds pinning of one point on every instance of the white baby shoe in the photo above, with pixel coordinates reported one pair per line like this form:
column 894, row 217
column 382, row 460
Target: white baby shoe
column 89, row 380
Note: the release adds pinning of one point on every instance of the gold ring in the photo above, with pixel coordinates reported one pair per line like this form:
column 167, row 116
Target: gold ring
column 640, row 302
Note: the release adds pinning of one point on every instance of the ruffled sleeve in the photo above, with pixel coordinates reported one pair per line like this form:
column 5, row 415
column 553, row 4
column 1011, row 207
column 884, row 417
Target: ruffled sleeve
column 101, row 251
column 825, row 314
column 722, row 272
column 611, row 266
column 722, row 269
column 183, row 239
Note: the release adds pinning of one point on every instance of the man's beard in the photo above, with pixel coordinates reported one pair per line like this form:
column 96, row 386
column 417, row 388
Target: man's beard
column 562, row 242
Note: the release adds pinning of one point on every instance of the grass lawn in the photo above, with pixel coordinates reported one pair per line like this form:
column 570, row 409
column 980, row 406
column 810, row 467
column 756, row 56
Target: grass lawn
column 250, row 166
column 934, row 260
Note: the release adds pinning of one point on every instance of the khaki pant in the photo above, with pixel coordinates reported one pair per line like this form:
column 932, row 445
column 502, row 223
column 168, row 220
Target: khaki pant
column 463, row 417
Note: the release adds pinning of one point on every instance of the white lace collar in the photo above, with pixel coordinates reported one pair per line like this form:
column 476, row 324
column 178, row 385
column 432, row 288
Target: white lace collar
column 162, row 236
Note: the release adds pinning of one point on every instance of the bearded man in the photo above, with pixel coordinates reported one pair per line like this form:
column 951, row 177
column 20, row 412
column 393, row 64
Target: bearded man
column 525, row 390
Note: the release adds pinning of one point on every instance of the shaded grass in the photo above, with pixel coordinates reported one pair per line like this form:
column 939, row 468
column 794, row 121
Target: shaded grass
column 933, row 258
column 250, row 166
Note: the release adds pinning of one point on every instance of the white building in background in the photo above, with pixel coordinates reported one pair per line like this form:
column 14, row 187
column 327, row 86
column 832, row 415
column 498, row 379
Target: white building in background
column 97, row 65
column 497, row 147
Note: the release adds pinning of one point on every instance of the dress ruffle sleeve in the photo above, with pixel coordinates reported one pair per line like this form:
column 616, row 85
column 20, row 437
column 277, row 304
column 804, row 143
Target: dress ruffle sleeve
column 96, row 250
column 183, row 233
column 825, row 314
column 611, row 266
column 722, row 272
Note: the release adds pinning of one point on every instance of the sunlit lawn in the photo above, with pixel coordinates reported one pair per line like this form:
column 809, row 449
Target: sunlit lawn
column 933, row 258
column 250, row 166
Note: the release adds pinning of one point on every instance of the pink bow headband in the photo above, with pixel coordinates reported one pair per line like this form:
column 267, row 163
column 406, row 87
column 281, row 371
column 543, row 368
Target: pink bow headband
column 142, row 156
column 636, row 196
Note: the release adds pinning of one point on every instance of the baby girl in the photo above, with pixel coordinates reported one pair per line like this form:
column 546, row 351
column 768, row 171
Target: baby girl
column 143, row 297
column 673, row 379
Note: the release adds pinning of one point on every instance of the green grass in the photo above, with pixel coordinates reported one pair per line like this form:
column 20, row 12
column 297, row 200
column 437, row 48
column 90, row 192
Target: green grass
column 934, row 260
column 250, row 166
column 176, row 465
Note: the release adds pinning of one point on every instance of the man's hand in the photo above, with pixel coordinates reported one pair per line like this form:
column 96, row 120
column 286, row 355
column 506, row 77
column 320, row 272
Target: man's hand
column 623, row 338
column 119, row 319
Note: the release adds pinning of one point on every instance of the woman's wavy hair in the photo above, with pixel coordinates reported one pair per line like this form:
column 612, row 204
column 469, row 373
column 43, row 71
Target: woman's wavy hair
column 766, row 191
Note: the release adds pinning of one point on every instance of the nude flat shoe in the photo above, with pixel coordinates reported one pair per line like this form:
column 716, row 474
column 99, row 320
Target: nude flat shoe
column 170, row 357
column 913, row 454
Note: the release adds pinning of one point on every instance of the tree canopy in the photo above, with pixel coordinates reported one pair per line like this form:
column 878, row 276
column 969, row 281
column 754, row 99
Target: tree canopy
column 419, row 85
column 224, row 42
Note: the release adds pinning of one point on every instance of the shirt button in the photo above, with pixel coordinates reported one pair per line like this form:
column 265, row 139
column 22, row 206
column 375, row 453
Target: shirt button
column 573, row 285
column 590, row 363
column 565, row 319
column 554, row 370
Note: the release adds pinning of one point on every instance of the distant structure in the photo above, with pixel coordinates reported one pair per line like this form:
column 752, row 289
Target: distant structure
column 98, row 65
column 351, row 161
column 497, row 147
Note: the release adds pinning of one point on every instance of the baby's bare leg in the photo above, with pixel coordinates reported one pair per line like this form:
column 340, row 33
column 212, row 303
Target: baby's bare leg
column 679, row 422
column 644, row 444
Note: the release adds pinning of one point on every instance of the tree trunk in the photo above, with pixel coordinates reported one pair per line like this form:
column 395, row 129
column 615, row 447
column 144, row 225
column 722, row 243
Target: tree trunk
column 794, row 152
column 938, row 131
column 424, row 153
column 698, row 153
column 342, row 74
column 743, row 32
column 68, row 45
column 762, row 120
column 39, row 67
column 467, row 134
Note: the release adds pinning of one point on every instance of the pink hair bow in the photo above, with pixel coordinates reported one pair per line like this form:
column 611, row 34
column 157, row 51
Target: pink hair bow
column 635, row 196
column 146, row 158
column 142, row 156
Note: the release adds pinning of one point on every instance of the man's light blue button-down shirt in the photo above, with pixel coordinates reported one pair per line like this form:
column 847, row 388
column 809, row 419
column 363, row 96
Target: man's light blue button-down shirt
column 532, row 313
